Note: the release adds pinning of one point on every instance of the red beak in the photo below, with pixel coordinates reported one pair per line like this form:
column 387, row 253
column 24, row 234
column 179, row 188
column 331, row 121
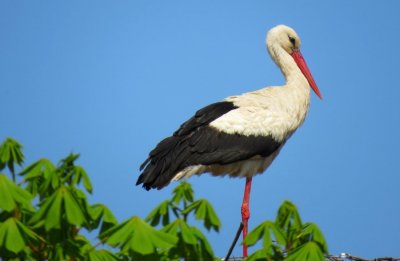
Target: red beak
column 298, row 58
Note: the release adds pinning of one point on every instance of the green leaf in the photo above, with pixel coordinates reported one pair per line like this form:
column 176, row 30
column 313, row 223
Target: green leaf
column 73, row 209
column 161, row 211
column 312, row 233
column 289, row 223
column 204, row 211
column 52, row 211
column 69, row 160
column 187, row 235
column 66, row 169
column 58, row 252
column 108, row 216
column 55, row 180
column 49, row 183
column 101, row 255
column 135, row 235
column 173, row 228
column 28, row 233
column 96, row 212
column 61, row 205
column 308, row 251
column 12, row 195
column 261, row 231
column 10, row 236
column 80, row 174
column 192, row 244
column 36, row 174
column 204, row 247
column 14, row 235
column 100, row 212
column 183, row 193
column 38, row 169
column 259, row 255
column 279, row 235
column 288, row 217
column 10, row 154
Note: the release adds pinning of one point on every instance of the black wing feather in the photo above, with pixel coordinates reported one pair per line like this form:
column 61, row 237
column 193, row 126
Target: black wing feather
column 205, row 116
column 195, row 142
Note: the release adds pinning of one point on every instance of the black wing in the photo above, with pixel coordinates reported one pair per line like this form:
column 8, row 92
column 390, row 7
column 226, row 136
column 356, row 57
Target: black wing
column 195, row 142
column 205, row 116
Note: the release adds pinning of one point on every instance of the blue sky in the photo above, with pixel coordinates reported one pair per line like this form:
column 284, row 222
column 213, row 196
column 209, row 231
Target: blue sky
column 109, row 79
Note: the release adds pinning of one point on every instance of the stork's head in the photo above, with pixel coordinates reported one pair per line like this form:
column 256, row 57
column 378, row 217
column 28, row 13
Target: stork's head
column 283, row 37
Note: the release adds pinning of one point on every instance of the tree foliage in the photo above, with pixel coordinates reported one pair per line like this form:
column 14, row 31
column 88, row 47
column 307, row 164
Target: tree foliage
column 287, row 238
column 45, row 215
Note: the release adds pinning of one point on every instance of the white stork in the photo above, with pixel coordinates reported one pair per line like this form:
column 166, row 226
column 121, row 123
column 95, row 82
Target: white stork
column 241, row 135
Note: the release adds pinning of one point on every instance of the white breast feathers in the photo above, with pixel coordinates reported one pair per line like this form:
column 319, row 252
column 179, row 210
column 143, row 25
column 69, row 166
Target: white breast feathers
column 275, row 111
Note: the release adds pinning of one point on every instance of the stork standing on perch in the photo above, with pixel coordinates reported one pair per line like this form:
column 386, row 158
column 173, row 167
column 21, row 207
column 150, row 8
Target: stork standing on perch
column 241, row 135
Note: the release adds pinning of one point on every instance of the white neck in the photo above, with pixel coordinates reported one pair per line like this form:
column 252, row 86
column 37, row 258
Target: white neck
column 289, row 68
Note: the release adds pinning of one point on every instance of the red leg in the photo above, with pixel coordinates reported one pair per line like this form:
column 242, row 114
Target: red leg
column 246, row 212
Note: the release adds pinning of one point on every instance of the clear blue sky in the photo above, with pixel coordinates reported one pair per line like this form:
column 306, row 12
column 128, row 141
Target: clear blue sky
column 109, row 79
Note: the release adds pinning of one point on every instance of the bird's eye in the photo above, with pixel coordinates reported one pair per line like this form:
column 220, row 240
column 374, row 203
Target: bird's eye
column 292, row 41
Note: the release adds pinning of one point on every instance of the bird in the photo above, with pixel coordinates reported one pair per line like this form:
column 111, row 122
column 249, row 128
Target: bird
column 241, row 135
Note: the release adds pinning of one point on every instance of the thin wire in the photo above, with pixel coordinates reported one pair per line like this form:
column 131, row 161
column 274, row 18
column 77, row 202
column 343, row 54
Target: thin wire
column 346, row 256
column 341, row 257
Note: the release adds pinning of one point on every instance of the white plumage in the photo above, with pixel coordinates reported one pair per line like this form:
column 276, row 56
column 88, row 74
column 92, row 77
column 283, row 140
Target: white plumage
column 269, row 111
